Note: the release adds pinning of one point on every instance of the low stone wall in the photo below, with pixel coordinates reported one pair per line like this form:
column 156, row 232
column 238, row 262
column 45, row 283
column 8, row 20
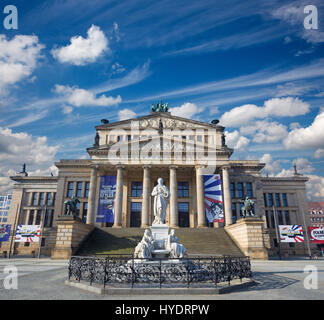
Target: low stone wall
column 71, row 232
column 249, row 236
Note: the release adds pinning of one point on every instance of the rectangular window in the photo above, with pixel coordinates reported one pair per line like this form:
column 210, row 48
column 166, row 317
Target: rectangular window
column 284, row 200
column 240, row 190
column 280, row 218
column 270, row 200
column 86, row 190
column 47, row 217
column 240, row 206
column 234, row 217
column 273, row 224
column 70, row 190
column 249, row 190
column 48, row 199
column 34, row 199
column 232, row 188
column 287, row 218
column 277, row 199
column 85, row 212
column 267, row 219
column 265, row 199
column 41, row 198
column 183, row 189
column 136, row 189
column 38, row 217
column 54, row 198
column 79, row 190
column 31, row 217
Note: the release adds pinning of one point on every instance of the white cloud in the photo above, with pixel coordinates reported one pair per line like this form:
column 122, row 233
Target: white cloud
column 315, row 188
column 126, row 114
column 236, row 141
column 283, row 107
column 82, row 51
column 80, row 97
column 187, row 110
column 265, row 131
column 271, row 166
column 307, row 138
column 19, row 148
column 319, row 153
column 303, row 165
column 18, row 59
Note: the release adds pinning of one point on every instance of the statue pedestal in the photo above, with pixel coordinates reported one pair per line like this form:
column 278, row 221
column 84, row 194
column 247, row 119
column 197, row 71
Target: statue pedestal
column 248, row 235
column 160, row 231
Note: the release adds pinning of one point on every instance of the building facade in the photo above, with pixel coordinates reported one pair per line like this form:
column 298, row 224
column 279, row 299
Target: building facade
column 316, row 214
column 141, row 150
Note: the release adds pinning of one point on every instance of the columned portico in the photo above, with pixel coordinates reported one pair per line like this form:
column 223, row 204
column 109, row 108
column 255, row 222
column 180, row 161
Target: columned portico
column 174, row 219
column 200, row 198
column 118, row 198
column 227, row 196
column 92, row 196
column 146, row 196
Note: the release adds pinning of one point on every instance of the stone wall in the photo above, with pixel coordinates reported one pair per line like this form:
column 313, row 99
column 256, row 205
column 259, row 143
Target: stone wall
column 71, row 232
column 249, row 236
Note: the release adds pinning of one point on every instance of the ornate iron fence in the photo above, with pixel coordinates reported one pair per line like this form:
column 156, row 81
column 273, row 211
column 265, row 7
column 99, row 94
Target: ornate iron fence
column 124, row 269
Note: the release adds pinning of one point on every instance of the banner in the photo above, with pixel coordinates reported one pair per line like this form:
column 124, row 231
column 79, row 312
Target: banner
column 213, row 198
column 316, row 234
column 27, row 233
column 291, row 233
column 5, row 232
column 107, row 194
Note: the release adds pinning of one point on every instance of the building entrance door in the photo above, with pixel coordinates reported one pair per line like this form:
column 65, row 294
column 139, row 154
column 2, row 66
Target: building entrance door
column 136, row 215
column 183, row 213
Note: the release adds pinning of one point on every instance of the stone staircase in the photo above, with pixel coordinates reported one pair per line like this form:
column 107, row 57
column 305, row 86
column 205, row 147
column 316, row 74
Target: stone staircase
column 207, row 241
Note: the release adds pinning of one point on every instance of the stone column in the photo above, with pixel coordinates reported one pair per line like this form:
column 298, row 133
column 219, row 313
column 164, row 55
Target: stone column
column 92, row 196
column 174, row 215
column 119, row 198
column 146, row 196
column 200, row 198
column 227, row 197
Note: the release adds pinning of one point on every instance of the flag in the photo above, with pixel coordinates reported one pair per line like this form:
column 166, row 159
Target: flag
column 213, row 198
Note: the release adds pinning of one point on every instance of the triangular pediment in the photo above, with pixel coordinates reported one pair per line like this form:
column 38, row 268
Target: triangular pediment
column 152, row 121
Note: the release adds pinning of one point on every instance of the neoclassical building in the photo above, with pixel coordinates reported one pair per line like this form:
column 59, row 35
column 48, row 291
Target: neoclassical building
column 135, row 153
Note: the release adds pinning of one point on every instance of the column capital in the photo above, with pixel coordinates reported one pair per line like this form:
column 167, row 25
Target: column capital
column 173, row 167
column 120, row 166
column 226, row 167
column 94, row 166
column 146, row 166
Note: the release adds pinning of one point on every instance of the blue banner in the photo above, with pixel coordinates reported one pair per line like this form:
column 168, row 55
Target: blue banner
column 5, row 232
column 107, row 194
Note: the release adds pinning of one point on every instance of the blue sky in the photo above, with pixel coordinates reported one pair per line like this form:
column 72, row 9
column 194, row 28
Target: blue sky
column 228, row 60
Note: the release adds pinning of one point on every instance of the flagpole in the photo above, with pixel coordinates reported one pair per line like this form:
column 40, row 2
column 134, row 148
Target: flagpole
column 277, row 230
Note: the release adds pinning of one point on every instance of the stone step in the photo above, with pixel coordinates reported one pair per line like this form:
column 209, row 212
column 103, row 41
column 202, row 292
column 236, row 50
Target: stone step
column 207, row 241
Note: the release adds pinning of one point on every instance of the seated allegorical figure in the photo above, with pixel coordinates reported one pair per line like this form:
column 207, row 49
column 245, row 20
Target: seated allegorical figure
column 145, row 247
column 176, row 249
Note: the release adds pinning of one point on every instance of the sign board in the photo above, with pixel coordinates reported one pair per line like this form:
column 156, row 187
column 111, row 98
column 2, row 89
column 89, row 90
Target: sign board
column 316, row 234
column 27, row 233
column 107, row 194
column 213, row 198
column 291, row 233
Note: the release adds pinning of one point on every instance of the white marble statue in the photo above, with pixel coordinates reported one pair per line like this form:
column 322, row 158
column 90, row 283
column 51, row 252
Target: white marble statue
column 176, row 249
column 145, row 247
column 161, row 196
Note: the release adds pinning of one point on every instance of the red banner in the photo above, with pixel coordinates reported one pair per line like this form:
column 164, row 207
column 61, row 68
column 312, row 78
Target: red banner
column 316, row 234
